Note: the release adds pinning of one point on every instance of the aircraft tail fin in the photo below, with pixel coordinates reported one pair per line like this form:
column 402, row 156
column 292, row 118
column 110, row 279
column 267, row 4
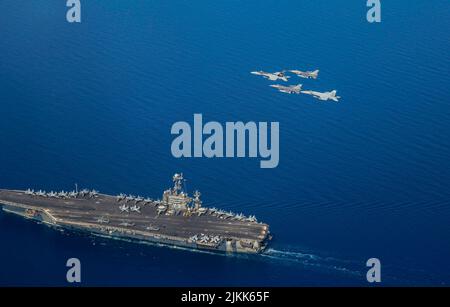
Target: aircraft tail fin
column 334, row 97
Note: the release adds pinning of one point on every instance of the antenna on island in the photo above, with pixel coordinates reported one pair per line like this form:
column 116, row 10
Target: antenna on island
column 185, row 186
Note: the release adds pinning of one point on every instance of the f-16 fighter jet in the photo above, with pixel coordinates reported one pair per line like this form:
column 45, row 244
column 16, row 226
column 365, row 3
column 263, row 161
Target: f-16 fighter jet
column 306, row 74
column 291, row 89
column 323, row 96
column 279, row 75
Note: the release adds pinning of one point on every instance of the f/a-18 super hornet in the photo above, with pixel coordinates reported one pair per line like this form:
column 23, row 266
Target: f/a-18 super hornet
column 135, row 208
column 323, row 96
column 124, row 208
column 306, row 74
column 290, row 89
column 279, row 75
column 102, row 220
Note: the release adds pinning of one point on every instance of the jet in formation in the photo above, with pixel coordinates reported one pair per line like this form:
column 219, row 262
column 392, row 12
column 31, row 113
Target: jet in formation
column 279, row 75
column 290, row 89
column 297, row 89
column 323, row 96
column 306, row 74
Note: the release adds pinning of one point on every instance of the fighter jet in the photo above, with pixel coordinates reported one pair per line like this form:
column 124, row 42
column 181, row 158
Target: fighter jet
column 161, row 209
column 272, row 76
column 52, row 194
column 202, row 211
column 126, row 224
column 120, row 197
column 102, row 220
column 73, row 194
column 41, row 193
column 84, row 192
column 323, row 96
column 29, row 192
column 251, row 219
column 138, row 199
column 62, row 194
column 239, row 217
column 129, row 198
column 151, row 227
column 93, row 194
column 306, row 74
column 216, row 239
column 291, row 89
column 135, row 208
column 124, row 208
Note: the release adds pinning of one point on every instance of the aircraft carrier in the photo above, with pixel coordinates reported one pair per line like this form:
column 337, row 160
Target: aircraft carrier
column 177, row 219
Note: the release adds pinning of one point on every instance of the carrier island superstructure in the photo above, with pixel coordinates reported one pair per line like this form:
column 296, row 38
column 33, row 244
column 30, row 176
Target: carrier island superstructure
column 177, row 219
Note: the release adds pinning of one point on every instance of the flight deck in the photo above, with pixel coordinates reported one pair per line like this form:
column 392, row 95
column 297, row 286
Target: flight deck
column 177, row 219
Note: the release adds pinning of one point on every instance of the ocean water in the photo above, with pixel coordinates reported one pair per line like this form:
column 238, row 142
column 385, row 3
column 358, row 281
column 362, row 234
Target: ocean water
column 93, row 103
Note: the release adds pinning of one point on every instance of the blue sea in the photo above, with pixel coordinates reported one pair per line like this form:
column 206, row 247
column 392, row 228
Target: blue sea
column 93, row 103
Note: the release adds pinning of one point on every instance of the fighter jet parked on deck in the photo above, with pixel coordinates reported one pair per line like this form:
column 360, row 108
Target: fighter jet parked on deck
column 93, row 194
column 291, row 89
column 152, row 228
column 84, row 192
column 135, row 208
column 306, row 74
column 323, row 96
column 120, row 197
column 52, row 194
column 124, row 208
column 73, row 194
column 126, row 224
column 62, row 194
column 102, row 220
column 41, row 193
column 29, row 192
column 279, row 75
